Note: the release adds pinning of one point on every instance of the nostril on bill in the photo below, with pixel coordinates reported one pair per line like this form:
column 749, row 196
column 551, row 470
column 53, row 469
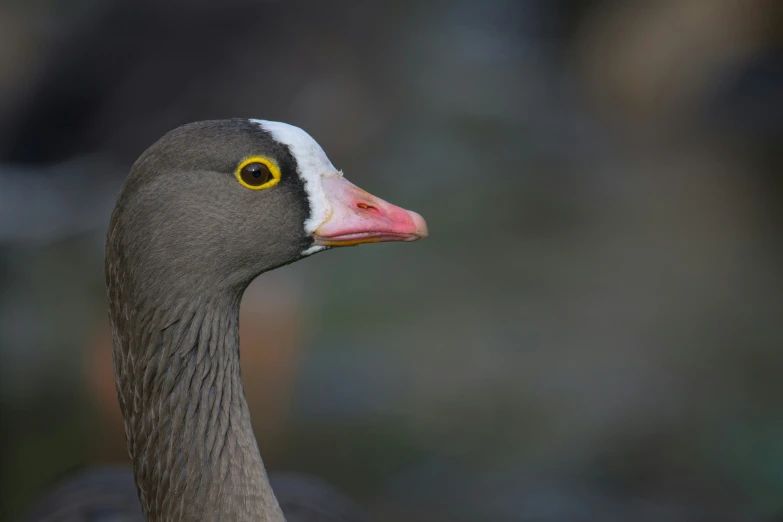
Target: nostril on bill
column 365, row 206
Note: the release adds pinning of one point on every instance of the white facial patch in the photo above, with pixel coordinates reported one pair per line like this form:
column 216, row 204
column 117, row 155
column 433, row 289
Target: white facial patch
column 313, row 166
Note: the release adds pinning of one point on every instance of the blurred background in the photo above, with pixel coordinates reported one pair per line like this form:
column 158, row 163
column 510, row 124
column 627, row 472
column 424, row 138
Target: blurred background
column 593, row 330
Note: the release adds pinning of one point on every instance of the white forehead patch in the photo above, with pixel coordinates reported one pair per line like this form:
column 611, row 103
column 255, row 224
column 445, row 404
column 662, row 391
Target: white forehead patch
column 313, row 166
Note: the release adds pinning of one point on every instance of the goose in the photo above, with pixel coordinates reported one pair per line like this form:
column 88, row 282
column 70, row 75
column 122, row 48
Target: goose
column 204, row 211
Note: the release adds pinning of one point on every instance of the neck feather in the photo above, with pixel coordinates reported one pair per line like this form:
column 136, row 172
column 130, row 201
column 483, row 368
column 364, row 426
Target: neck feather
column 194, row 453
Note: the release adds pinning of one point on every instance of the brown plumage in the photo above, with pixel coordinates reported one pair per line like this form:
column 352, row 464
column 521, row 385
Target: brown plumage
column 186, row 238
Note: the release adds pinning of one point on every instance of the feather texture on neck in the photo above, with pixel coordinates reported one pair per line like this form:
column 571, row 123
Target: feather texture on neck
column 194, row 453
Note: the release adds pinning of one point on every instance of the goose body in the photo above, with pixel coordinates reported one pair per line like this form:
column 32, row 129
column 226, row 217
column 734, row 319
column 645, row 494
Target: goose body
column 108, row 494
column 204, row 211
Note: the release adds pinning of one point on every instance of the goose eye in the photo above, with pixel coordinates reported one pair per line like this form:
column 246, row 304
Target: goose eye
column 258, row 173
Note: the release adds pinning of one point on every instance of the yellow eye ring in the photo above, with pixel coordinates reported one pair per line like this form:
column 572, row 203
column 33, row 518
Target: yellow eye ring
column 258, row 173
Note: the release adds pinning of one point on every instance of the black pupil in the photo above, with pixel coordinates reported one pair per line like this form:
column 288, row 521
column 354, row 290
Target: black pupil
column 256, row 174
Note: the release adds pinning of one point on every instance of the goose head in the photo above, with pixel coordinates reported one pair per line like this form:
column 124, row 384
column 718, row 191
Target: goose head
column 219, row 202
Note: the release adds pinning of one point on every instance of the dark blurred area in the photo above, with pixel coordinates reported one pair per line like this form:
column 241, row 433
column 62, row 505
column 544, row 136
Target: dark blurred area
column 592, row 331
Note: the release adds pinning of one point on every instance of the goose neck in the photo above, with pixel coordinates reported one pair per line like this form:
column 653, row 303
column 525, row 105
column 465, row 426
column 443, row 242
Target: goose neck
column 194, row 453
